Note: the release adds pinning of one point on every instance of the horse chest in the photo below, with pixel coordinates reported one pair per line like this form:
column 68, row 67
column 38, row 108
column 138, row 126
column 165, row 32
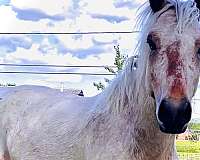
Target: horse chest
column 122, row 143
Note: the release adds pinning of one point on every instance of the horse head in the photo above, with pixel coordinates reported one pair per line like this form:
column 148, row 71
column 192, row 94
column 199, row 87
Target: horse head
column 174, row 62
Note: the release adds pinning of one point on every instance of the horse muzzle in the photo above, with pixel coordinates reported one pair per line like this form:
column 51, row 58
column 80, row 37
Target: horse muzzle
column 174, row 115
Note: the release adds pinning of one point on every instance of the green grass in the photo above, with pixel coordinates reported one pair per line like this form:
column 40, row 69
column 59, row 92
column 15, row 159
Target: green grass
column 194, row 126
column 188, row 147
column 189, row 156
column 188, row 150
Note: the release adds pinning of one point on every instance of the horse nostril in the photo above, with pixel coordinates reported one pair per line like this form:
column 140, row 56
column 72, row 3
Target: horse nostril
column 165, row 111
column 186, row 111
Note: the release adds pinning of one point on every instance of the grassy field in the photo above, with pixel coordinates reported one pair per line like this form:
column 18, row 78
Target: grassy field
column 188, row 150
column 194, row 126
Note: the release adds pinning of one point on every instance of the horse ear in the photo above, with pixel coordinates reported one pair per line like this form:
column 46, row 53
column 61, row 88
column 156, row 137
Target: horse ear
column 157, row 5
column 198, row 3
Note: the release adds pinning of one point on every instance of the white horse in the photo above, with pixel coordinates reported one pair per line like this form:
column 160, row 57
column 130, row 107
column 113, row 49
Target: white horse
column 135, row 118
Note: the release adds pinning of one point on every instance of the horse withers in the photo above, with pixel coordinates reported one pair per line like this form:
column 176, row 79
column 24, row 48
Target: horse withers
column 135, row 118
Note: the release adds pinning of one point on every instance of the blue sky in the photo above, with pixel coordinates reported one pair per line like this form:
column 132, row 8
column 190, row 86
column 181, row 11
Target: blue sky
column 64, row 16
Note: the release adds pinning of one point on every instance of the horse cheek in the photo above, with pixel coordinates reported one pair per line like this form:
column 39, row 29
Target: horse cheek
column 156, row 77
column 154, row 82
column 194, row 76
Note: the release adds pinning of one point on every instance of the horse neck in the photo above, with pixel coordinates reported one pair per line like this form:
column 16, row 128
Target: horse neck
column 137, row 121
column 146, row 134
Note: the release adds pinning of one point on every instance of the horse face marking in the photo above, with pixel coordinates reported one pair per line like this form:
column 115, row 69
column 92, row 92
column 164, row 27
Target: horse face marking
column 174, row 70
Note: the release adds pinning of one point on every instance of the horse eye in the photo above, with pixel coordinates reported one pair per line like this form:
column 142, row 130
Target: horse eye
column 198, row 53
column 151, row 43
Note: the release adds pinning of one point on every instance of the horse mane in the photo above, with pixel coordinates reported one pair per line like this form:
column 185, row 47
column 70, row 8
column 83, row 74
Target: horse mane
column 131, row 86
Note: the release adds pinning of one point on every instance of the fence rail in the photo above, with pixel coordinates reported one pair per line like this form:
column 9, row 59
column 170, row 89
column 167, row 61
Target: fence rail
column 61, row 73
column 56, row 66
column 70, row 33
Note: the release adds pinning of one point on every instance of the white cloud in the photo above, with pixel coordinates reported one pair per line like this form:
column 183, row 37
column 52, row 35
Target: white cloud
column 106, row 8
column 54, row 58
column 50, row 7
column 9, row 20
column 84, row 22
column 12, row 24
column 70, row 42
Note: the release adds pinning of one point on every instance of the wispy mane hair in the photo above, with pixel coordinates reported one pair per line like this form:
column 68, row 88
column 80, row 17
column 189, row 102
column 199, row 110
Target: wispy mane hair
column 131, row 87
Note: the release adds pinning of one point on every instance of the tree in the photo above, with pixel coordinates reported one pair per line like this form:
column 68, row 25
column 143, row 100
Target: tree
column 118, row 63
